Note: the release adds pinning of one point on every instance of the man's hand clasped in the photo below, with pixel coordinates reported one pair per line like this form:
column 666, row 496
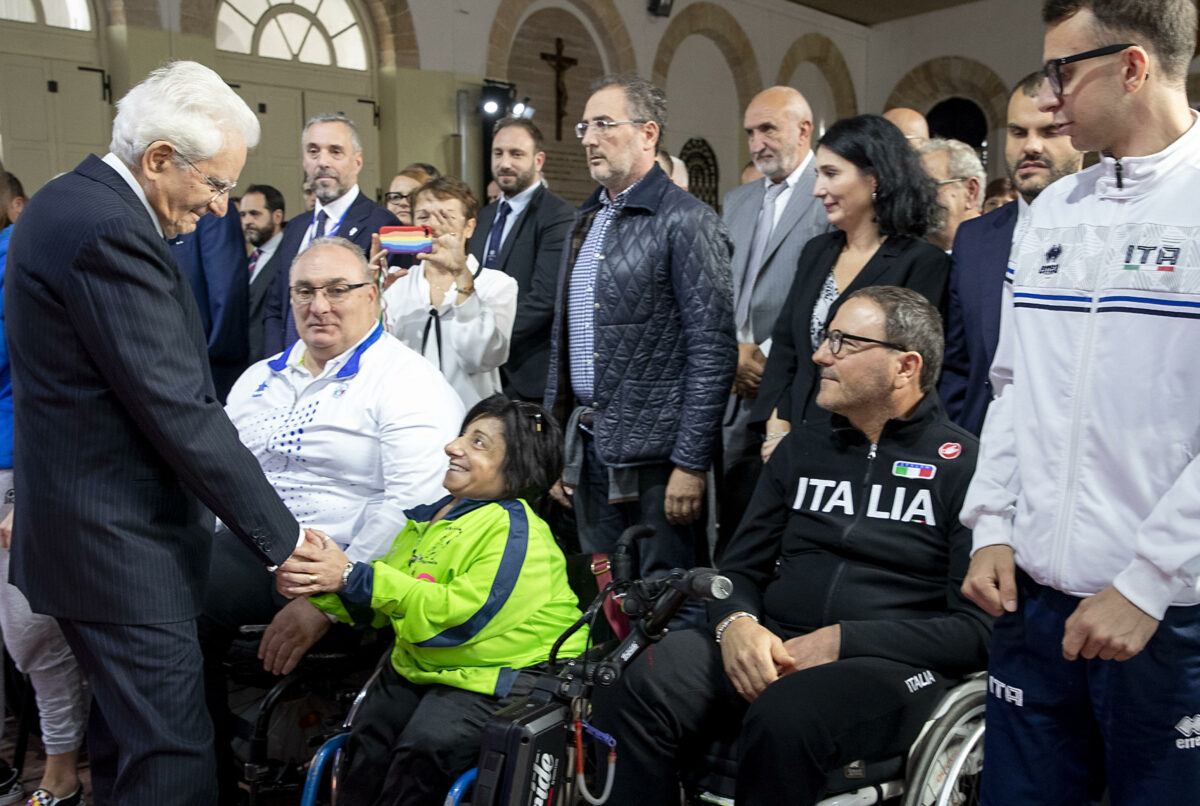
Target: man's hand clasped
column 316, row 566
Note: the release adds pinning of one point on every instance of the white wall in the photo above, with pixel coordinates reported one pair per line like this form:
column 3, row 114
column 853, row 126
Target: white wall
column 1005, row 35
column 703, row 103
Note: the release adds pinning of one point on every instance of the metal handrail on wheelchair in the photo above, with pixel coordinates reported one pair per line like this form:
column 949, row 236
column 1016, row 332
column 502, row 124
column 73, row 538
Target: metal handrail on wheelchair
column 555, row 704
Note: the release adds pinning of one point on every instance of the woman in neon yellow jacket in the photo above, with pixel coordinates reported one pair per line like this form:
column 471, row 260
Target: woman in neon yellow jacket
column 476, row 590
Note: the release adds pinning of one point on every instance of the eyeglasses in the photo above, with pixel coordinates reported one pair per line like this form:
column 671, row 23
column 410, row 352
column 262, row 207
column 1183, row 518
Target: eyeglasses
column 335, row 293
column 603, row 127
column 219, row 186
column 836, row 338
column 396, row 198
column 941, row 182
column 1052, row 69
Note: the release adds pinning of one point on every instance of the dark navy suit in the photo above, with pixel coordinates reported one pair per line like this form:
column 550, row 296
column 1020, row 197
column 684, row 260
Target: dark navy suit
column 530, row 254
column 980, row 258
column 213, row 258
column 122, row 454
column 362, row 220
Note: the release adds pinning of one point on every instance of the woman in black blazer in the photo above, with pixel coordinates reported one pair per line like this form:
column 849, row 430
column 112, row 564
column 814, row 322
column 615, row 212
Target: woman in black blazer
column 878, row 195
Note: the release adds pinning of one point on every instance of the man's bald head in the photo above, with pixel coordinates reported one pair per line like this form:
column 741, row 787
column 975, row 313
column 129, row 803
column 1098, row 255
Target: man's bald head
column 911, row 123
column 779, row 126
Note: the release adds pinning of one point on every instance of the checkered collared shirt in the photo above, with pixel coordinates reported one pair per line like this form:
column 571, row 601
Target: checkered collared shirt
column 581, row 297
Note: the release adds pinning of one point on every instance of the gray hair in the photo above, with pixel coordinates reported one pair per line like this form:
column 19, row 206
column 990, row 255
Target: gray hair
column 961, row 160
column 186, row 104
column 333, row 117
column 336, row 240
column 911, row 320
column 643, row 100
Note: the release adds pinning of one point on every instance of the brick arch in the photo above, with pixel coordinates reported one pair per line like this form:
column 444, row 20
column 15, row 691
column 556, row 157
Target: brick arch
column 824, row 54
column 389, row 27
column 934, row 81
column 719, row 26
column 614, row 42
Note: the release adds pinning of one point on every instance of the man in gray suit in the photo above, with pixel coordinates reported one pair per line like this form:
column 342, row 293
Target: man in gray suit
column 770, row 220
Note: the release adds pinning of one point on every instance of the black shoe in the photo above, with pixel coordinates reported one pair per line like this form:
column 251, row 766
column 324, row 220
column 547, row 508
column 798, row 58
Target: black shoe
column 11, row 790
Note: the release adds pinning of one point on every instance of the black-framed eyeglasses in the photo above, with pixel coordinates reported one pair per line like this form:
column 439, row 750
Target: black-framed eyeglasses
column 603, row 127
column 1052, row 69
column 335, row 292
column 219, row 186
column 837, row 338
column 396, row 198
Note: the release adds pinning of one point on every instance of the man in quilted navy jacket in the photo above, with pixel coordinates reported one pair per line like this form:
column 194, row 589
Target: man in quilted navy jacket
column 643, row 350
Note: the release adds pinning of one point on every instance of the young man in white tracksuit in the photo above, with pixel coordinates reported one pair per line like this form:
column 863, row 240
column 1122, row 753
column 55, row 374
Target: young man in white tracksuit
column 1086, row 502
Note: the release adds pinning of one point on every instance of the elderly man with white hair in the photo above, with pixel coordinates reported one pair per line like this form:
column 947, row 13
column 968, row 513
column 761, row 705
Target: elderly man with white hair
column 960, row 178
column 122, row 452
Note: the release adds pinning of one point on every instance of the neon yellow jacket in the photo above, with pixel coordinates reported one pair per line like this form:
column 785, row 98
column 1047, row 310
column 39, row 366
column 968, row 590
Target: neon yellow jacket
column 473, row 598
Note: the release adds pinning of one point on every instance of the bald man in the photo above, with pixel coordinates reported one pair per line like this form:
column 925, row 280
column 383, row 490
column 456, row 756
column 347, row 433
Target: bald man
column 770, row 220
column 911, row 123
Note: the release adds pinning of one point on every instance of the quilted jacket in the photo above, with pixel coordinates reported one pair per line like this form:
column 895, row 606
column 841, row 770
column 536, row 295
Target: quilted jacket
column 664, row 338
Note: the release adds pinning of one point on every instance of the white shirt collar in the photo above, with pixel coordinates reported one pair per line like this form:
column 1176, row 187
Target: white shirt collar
column 114, row 162
column 336, row 208
column 518, row 203
column 268, row 249
column 795, row 175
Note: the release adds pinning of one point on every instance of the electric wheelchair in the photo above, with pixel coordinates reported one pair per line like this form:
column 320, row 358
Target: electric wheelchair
column 534, row 755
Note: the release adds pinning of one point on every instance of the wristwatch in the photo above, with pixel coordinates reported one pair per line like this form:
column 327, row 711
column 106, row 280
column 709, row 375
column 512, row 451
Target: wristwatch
column 346, row 574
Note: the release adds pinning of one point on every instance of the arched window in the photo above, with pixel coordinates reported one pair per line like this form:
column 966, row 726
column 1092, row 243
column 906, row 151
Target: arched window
column 324, row 32
column 73, row 14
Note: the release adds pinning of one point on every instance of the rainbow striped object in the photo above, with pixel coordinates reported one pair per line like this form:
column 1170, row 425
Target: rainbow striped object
column 406, row 240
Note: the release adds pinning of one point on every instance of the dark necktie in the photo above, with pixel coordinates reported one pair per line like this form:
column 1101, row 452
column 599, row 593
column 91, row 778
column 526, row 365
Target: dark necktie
column 253, row 261
column 496, row 237
column 322, row 217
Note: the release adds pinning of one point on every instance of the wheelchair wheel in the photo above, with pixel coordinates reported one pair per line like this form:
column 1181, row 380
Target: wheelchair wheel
column 946, row 769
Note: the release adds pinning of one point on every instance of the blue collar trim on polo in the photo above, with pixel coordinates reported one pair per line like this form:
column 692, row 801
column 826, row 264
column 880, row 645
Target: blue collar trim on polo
column 280, row 362
column 351, row 367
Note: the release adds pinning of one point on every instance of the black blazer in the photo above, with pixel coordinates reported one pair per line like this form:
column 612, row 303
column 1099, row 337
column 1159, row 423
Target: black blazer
column 363, row 219
column 121, row 448
column 789, row 380
column 260, row 287
column 530, row 254
column 981, row 248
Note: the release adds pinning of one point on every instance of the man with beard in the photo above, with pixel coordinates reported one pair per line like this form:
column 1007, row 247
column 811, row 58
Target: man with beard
column 333, row 157
column 1036, row 155
column 770, row 221
column 521, row 234
column 262, row 211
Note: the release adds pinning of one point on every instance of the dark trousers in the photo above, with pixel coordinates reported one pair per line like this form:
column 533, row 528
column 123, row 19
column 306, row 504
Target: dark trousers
column 240, row 591
column 676, row 700
column 601, row 521
column 1057, row 729
column 409, row 743
column 149, row 735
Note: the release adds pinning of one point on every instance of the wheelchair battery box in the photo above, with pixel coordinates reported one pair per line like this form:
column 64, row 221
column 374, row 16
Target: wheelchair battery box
column 524, row 755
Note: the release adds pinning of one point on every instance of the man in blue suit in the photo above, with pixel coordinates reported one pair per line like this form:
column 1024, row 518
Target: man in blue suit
column 122, row 452
column 1036, row 155
column 213, row 258
column 332, row 159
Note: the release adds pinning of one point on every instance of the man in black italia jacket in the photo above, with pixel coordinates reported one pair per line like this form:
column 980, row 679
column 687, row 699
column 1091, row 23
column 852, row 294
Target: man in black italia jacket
column 846, row 622
column 643, row 351
column 521, row 234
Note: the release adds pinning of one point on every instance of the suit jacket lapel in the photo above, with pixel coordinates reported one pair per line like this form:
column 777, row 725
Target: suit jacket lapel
column 741, row 227
column 800, row 205
column 991, row 276
column 526, row 214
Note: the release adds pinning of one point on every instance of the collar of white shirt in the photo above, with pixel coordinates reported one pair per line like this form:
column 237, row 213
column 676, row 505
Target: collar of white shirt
column 518, row 203
column 343, row 365
column 114, row 162
column 335, row 210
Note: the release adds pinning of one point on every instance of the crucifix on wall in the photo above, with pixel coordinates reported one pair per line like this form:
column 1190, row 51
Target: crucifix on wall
column 561, row 64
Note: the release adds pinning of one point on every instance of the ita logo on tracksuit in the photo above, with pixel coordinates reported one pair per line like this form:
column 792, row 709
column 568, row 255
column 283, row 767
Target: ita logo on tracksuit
column 906, row 504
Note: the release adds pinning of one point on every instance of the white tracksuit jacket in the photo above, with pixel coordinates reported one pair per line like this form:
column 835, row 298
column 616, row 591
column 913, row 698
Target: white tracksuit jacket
column 1088, row 464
